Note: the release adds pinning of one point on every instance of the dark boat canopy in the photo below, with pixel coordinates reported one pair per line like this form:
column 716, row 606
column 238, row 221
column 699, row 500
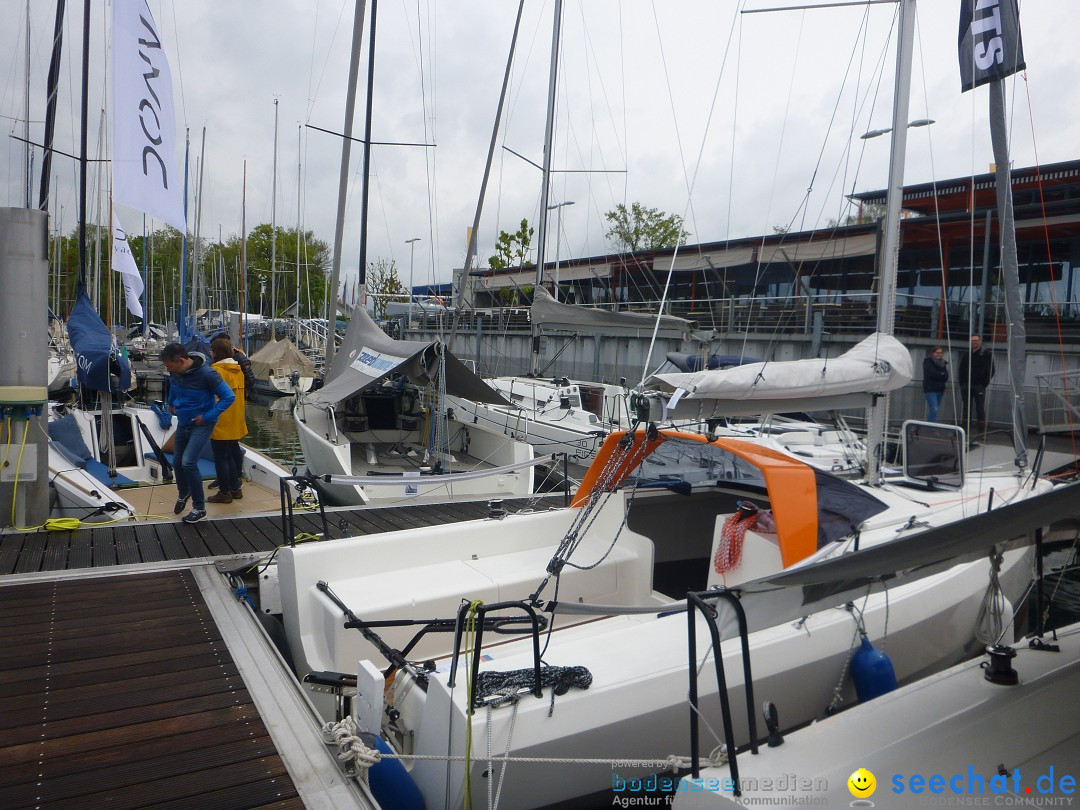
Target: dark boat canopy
column 368, row 355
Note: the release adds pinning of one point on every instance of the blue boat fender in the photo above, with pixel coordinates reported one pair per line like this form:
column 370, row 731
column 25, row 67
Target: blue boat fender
column 391, row 785
column 872, row 671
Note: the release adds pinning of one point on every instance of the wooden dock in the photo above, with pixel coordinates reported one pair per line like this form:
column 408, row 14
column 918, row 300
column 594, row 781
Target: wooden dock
column 125, row 691
column 126, row 544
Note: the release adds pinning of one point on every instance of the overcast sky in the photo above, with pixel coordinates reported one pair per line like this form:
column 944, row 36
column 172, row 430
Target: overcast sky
column 655, row 98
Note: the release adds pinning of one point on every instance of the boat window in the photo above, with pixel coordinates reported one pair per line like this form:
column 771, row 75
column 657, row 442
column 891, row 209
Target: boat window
column 933, row 454
column 696, row 463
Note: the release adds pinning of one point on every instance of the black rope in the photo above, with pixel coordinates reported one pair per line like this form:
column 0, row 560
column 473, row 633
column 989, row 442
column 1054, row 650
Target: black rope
column 504, row 686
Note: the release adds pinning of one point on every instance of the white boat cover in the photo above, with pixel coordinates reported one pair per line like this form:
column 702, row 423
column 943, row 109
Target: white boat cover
column 547, row 312
column 278, row 354
column 368, row 354
column 878, row 364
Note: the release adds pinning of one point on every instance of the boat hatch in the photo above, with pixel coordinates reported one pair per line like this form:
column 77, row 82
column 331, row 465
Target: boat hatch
column 933, row 454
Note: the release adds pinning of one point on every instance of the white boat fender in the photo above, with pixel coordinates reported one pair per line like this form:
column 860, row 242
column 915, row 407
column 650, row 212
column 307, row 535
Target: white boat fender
column 872, row 671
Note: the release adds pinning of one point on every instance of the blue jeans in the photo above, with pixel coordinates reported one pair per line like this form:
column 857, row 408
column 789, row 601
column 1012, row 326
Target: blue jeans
column 229, row 461
column 187, row 450
column 933, row 402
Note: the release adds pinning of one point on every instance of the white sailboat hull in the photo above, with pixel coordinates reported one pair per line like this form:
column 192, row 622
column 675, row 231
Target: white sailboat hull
column 329, row 450
column 636, row 706
column 954, row 723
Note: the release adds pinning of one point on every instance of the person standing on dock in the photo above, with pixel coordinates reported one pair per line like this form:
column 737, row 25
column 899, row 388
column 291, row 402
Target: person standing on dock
column 231, row 426
column 976, row 370
column 935, row 373
column 242, row 359
column 197, row 396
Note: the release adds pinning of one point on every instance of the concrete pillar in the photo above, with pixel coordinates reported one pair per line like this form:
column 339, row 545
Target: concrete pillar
column 24, row 448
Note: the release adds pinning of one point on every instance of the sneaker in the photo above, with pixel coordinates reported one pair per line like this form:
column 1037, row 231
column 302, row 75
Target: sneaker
column 181, row 503
column 213, row 484
column 194, row 516
column 220, row 497
column 237, row 494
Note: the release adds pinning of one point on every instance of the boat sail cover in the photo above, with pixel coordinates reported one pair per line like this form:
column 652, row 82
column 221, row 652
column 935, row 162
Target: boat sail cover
column 878, row 364
column 280, row 354
column 368, row 354
column 100, row 364
column 547, row 312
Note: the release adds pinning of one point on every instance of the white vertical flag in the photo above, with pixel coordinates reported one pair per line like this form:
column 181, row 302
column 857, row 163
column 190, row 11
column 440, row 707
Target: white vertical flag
column 124, row 263
column 144, row 125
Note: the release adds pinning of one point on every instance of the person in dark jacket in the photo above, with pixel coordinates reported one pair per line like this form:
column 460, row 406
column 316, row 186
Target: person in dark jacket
column 241, row 358
column 197, row 396
column 976, row 370
column 935, row 371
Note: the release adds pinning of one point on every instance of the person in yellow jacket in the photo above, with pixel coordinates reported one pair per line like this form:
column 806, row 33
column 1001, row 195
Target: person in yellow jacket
column 231, row 427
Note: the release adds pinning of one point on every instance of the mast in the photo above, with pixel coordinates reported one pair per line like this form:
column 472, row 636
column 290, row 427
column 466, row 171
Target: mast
column 243, row 253
column 50, row 107
column 299, row 148
column 549, row 127
column 198, row 281
column 28, row 172
column 182, row 329
column 82, row 140
column 343, row 181
column 362, row 270
column 273, row 235
column 470, row 253
column 1010, row 271
column 877, row 417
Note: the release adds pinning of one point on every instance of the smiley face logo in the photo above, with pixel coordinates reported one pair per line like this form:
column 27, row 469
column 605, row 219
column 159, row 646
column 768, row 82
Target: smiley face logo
column 862, row 784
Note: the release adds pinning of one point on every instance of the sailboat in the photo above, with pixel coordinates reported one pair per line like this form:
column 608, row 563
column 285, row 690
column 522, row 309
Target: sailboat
column 280, row 368
column 658, row 511
column 107, row 458
column 380, row 429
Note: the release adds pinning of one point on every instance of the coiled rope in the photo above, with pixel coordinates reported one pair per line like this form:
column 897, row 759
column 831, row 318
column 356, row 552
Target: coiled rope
column 504, row 686
column 990, row 623
column 729, row 550
column 354, row 754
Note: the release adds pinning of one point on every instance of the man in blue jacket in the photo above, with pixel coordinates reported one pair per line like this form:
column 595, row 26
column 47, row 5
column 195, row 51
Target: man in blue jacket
column 198, row 396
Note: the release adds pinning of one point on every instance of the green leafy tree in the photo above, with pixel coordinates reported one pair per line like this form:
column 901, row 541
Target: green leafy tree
column 513, row 249
column 641, row 228
column 385, row 285
column 313, row 270
column 870, row 213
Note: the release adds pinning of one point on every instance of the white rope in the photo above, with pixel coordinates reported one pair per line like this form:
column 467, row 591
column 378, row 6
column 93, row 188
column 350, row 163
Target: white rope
column 671, row 762
column 355, row 757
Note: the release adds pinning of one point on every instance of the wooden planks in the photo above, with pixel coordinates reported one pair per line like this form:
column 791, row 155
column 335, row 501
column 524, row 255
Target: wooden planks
column 119, row 692
column 127, row 543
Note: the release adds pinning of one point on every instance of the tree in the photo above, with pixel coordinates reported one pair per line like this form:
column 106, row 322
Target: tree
column 871, row 212
column 384, row 285
column 643, row 228
column 512, row 249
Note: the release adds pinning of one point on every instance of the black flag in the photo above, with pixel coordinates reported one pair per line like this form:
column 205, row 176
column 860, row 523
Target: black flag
column 990, row 46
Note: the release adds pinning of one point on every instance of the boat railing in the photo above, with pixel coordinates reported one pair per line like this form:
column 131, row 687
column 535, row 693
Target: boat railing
column 474, row 618
column 1055, row 398
column 297, row 494
column 705, row 603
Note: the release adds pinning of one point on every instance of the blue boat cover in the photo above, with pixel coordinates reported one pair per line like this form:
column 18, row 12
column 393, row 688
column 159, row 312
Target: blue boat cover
column 100, row 365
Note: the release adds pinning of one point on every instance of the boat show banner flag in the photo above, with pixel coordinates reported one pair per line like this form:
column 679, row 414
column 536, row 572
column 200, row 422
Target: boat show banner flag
column 124, row 263
column 990, row 44
column 144, row 125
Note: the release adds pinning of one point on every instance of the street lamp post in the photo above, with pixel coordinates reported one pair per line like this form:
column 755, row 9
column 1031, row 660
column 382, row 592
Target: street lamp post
column 558, row 238
column 412, row 249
